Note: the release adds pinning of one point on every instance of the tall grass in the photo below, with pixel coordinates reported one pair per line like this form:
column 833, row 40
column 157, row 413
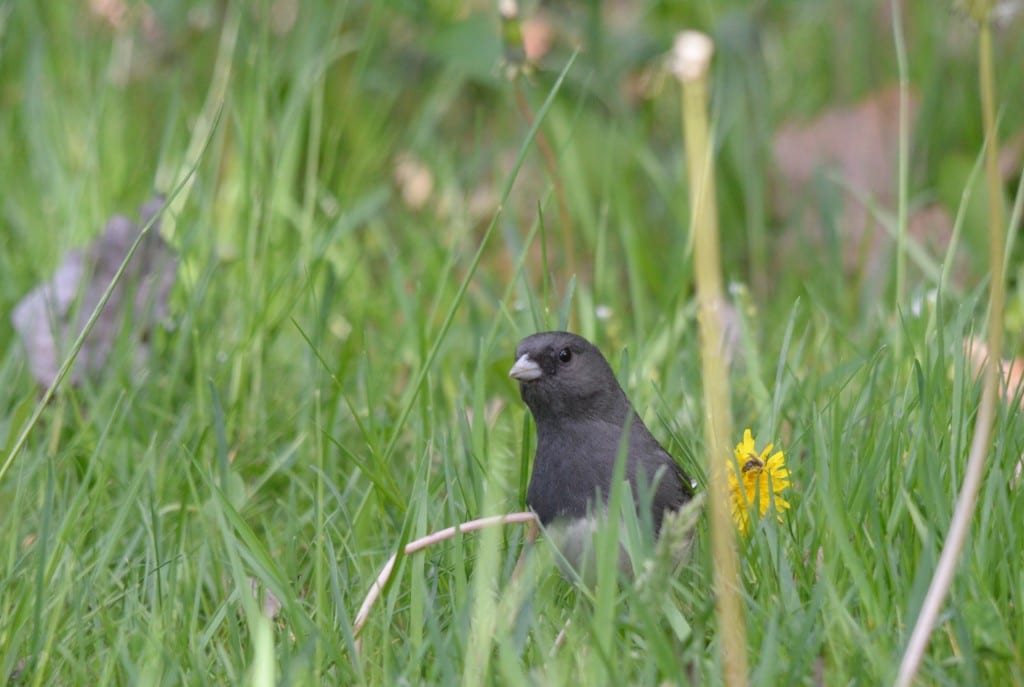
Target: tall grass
column 333, row 383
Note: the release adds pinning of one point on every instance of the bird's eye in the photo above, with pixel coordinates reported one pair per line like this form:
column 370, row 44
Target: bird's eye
column 565, row 355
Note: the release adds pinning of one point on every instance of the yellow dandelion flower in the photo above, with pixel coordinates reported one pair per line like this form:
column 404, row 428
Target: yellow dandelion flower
column 763, row 477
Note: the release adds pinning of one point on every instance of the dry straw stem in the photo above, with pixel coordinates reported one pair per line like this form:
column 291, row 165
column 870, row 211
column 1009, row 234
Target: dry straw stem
column 690, row 61
column 425, row 542
column 981, row 443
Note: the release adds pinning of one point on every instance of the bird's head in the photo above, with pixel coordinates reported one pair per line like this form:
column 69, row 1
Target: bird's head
column 562, row 375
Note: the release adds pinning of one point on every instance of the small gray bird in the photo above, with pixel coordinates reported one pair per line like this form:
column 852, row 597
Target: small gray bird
column 581, row 414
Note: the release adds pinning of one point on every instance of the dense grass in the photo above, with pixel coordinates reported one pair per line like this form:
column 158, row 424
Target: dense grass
column 333, row 382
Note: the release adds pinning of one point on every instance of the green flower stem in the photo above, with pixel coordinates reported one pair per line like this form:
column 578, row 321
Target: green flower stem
column 692, row 56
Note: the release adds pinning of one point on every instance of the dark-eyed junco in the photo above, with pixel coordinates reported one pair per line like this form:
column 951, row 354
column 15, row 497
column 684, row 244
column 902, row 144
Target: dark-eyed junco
column 581, row 414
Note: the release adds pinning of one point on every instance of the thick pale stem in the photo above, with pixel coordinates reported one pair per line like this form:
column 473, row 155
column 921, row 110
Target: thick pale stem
column 692, row 55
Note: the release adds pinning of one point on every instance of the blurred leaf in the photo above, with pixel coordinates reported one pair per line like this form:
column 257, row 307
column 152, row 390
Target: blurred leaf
column 1011, row 371
column 956, row 185
column 471, row 46
column 54, row 313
